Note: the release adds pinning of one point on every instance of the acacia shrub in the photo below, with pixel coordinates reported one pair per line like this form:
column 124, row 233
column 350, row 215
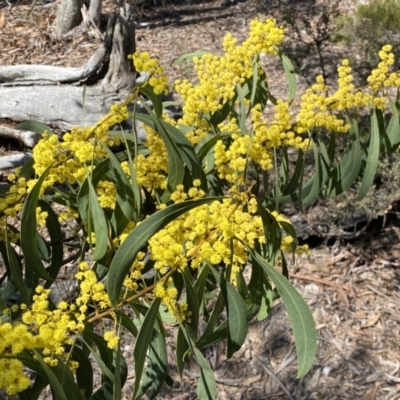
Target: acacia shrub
column 172, row 221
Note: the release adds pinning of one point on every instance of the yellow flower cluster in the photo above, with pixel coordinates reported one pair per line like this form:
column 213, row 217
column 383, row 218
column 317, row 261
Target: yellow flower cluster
column 151, row 170
column 41, row 216
column 205, row 233
column 315, row 110
column 144, row 63
column 135, row 272
column 168, row 297
column 231, row 161
column 70, row 162
column 219, row 75
column 91, row 291
column 107, row 194
column 50, row 330
column 12, row 376
column 379, row 76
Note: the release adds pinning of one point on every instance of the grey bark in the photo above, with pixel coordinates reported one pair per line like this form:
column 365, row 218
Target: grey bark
column 65, row 97
column 26, row 138
column 95, row 11
column 55, row 95
column 68, row 16
column 14, row 160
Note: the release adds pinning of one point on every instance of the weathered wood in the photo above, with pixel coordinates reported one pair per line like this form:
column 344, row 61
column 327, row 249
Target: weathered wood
column 68, row 16
column 14, row 160
column 95, row 11
column 26, row 138
column 64, row 97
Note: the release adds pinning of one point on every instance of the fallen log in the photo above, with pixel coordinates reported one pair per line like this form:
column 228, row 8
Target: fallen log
column 65, row 97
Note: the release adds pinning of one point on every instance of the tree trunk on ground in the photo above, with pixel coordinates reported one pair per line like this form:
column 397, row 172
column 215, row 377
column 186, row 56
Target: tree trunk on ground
column 63, row 97
column 54, row 95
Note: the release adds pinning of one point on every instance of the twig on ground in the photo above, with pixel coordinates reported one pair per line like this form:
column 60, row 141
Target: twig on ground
column 289, row 358
column 338, row 286
column 319, row 280
column 382, row 294
column 348, row 272
column 224, row 381
column 272, row 375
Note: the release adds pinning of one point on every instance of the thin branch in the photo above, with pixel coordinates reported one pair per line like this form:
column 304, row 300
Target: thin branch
column 272, row 375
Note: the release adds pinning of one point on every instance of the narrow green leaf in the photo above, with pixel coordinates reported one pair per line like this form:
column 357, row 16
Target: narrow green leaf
column 56, row 240
column 139, row 236
column 217, row 310
column 300, row 316
column 242, row 113
column 43, row 248
column 372, row 159
column 83, row 195
column 193, row 305
column 182, row 347
column 219, row 334
column 297, row 175
column 265, row 307
column 148, row 91
column 348, row 169
column 34, row 126
column 290, row 75
column 272, row 231
column 84, row 372
column 105, row 392
column 136, row 190
column 105, row 360
column 27, row 170
column 241, row 285
column 175, row 163
column 221, row 115
column 3, row 305
column 200, row 282
column 29, row 231
column 318, row 180
column 156, row 370
column 255, row 83
column 236, row 314
column 126, row 322
column 55, row 384
column 143, row 342
column 393, row 129
column 206, row 146
column 117, row 373
column 125, row 198
column 59, row 377
column 207, row 388
column 100, row 224
column 15, row 267
column 184, row 147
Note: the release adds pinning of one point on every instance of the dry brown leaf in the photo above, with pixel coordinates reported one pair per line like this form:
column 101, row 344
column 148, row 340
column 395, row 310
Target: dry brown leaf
column 251, row 379
column 315, row 268
column 372, row 394
column 372, row 321
column 2, row 18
